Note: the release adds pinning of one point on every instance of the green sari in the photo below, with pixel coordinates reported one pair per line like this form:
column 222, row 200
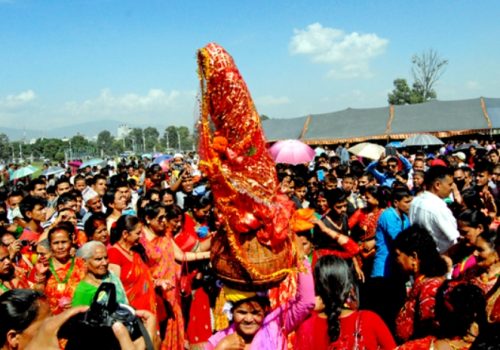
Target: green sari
column 84, row 292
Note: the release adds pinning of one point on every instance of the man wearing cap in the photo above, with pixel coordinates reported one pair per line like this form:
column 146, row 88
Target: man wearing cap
column 93, row 203
column 460, row 158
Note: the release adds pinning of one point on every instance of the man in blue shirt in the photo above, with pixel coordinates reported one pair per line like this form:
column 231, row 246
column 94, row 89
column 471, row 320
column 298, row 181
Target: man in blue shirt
column 390, row 224
column 385, row 290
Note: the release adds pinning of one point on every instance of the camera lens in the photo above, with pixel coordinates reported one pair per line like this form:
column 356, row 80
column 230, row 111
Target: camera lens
column 122, row 314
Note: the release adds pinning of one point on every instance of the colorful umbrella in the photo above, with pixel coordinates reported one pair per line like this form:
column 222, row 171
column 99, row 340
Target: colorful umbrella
column 53, row 170
column 395, row 144
column 163, row 161
column 465, row 147
column 92, row 162
column 422, row 140
column 319, row 150
column 367, row 150
column 291, row 152
column 23, row 172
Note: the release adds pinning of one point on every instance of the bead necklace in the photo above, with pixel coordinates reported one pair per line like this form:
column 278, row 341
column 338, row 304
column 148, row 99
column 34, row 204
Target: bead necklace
column 61, row 285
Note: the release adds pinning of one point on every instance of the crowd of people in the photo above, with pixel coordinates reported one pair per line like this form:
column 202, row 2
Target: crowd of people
column 403, row 253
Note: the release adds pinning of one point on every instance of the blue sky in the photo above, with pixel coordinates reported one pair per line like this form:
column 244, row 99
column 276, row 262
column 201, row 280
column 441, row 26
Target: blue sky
column 65, row 62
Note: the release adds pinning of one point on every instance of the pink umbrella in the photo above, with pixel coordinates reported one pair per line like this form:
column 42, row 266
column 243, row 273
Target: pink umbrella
column 291, row 152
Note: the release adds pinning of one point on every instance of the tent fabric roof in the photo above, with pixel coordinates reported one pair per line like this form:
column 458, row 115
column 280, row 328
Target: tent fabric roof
column 493, row 109
column 347, row 124
column 284, row 129
column 441, row 118
column 438, row 116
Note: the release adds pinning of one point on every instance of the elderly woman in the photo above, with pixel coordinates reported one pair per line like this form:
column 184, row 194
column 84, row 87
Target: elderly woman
column 65, row 271
column 96, row 260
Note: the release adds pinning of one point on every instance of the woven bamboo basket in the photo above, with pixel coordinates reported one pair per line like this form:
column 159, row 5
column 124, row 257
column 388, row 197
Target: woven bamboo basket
column 250, row 265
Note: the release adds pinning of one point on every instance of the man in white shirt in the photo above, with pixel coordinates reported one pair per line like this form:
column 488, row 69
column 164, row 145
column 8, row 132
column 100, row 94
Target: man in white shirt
column 429, row 210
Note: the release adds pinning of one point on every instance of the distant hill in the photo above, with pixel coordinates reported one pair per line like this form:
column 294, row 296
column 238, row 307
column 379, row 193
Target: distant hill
column 88, row 129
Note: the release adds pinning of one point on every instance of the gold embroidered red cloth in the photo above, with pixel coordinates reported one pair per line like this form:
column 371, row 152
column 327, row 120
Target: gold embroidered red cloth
column 234, row 154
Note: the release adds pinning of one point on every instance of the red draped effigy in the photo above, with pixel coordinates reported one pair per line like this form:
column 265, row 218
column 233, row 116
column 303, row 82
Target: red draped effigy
column 257, row 244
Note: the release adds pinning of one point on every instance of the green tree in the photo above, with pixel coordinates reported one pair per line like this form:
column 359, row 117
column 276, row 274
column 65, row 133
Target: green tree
column 136, row 136
column 170, row 138
column 187, row 140
column 427, row 68
column 50, row 147
column 5, row 151
column 263, row 117
column 151, row 138
column 105, row 142
column 403, row 94
column 117, row 147
column 81, row 147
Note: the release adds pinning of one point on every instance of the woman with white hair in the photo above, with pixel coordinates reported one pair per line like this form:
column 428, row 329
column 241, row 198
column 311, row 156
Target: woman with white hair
column 95, row 255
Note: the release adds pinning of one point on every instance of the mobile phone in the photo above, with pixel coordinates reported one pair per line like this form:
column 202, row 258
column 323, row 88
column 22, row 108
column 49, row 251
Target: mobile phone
column 321, row 175
column 390, row 151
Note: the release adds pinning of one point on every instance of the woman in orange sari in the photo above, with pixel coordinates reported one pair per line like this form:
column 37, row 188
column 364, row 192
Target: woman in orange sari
column 162, row 252
column 64, row 271
column 129, row 265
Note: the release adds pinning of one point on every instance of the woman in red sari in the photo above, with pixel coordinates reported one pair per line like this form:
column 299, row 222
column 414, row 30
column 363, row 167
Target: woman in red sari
column 64, row 271
column 162, row 252
column 417, row 255
column 460, row 312
column 331, row 232
column 363, row 224
column 129, row 265
column 337, row 323
column 10, row 277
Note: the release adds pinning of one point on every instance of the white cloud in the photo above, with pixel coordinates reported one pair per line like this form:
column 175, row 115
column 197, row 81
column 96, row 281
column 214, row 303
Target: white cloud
column 14, row 101
column 472, row 85
column 272, row 101
column 126, row 103
column 349, row 53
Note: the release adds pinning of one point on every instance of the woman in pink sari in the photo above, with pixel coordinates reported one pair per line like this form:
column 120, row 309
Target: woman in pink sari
column 162, row 253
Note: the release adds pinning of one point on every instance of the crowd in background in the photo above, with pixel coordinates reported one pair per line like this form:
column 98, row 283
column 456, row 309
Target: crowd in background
column 404, row 251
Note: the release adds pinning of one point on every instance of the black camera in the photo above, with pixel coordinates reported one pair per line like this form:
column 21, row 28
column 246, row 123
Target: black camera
column 92, row 329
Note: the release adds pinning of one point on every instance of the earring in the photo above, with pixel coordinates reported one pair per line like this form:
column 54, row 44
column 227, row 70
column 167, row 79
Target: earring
column 414, row 266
